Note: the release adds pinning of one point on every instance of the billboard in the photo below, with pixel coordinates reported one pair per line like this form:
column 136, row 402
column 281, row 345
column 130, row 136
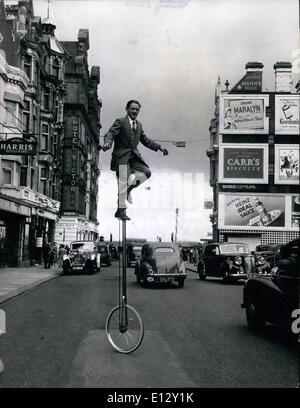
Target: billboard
column 295, row 211
column 241, row 114
column 243, row 163
column 287, row 114
column 286, row 165
column 253, row 211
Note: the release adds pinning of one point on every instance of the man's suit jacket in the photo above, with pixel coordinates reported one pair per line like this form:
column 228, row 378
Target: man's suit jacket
column 126, row 142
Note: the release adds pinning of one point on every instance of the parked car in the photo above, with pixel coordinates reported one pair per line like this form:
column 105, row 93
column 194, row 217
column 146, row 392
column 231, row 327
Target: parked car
column 114, row 252
column 272, row 298
column 227, row 260
column 265, row 257
column 160, row 262
column 82, row 256
column 103, row 250
column 133, row 254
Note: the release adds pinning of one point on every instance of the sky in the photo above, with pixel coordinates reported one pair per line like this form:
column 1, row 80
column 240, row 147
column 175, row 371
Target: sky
column 168, row 54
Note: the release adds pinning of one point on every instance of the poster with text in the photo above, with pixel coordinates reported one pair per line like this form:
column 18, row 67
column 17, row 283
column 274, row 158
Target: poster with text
column 244, row 114
column 257, row 211
column 243, row 163
column 287, row 115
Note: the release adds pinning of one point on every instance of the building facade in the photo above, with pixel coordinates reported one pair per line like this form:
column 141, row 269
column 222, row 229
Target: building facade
column 80, row 169
column 254, row 159
column 47, row 172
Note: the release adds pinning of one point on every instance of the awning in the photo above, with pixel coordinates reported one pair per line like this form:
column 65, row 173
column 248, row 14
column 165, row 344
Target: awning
column 14, row 206
column 10, row 96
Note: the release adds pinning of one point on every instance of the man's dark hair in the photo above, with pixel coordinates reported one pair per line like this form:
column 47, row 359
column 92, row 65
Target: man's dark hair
column 132, row 101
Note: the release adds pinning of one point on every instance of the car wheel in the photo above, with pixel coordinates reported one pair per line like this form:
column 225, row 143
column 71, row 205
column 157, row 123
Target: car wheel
column 201, row 273
column 143, row 282
column 254, row 319
column 180, row 282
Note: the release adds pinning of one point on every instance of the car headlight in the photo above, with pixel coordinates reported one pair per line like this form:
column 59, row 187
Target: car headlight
column 261, row 260
column 238, row 260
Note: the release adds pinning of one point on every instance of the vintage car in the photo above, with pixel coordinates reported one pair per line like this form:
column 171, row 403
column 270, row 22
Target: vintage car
column 265, row 257
column 227, row 260
column 103, row 250
column 114, row 252
column 160, row 262
column 273, row 298
column 83, row 256
column 133, row 254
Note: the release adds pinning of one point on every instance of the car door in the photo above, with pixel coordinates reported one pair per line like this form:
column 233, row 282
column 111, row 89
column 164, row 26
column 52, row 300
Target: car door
column 209, row 259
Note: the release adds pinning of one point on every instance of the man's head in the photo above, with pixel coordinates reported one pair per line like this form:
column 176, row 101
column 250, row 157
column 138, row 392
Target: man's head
column 132, row 108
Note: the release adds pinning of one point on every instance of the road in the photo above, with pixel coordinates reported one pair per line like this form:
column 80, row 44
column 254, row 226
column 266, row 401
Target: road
column 194, row 337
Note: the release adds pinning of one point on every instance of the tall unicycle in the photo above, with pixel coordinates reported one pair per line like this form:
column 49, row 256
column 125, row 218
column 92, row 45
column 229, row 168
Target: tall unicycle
column 124, row 326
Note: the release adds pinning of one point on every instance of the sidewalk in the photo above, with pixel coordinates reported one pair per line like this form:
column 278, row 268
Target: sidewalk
column 14, row 281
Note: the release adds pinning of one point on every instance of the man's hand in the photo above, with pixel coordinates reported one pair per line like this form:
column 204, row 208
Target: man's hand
column 106, row 146
column 164, row 151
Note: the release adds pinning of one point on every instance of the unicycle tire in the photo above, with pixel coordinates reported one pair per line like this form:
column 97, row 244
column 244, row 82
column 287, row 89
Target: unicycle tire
column 128, row 340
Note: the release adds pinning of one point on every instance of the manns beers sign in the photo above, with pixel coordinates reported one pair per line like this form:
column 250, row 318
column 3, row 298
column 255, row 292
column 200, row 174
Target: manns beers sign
column 17, row 146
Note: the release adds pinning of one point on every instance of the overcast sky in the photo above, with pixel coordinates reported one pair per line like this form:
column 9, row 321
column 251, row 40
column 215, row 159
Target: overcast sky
column 168, row 55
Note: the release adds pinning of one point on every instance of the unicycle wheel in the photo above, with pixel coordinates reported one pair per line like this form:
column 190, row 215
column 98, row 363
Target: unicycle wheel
column 124, row 336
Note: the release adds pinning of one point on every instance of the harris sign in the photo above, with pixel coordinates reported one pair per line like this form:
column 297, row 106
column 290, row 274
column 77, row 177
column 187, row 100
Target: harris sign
column 17, row 146
column 243, row 163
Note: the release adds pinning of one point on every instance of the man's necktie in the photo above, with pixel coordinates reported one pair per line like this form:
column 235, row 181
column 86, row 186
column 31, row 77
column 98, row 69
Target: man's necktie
column 134, row 126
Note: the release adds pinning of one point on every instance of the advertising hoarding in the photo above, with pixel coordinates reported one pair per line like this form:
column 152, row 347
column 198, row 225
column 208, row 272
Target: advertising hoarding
column 243, row 163
column 244, row 114
column 287, row 114
column 295, row 212
column 253, row 211
column 286, row 165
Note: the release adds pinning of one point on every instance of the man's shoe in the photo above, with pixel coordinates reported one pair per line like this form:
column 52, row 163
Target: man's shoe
column 121, row 214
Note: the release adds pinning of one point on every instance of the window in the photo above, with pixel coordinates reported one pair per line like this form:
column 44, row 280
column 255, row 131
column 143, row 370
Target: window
column 46, row 100
column 32, row 176
column 43, row 180
column 7, row 172
column 26, row 116
column 23, row 176
column 55, row 68
column 166, row 250
column 11, row 113
column 27, row 66
column 44, row 137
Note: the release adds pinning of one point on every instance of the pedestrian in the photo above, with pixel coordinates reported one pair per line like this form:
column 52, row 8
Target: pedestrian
column 126, row 133
column 46, row 250
column 61, row 252
column 53, row 255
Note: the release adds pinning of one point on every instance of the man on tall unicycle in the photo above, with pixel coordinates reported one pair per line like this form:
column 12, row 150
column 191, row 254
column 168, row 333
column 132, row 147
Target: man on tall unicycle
column 131, row 170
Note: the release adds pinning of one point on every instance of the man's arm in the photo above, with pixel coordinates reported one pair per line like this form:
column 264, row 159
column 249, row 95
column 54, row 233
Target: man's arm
column 111, row 134
column 151, row 144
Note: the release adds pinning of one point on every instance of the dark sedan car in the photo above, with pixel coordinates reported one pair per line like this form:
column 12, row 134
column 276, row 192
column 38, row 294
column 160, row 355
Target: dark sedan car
column 265, row 257
column 82, row 257
column 160, row 262
column 273, row 298
column 227, row 260
column 104, row 251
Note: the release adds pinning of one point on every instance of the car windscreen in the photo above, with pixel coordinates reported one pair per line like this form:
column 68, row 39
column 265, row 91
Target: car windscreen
column 234, row 249
column 82, row 246
column 137, row 249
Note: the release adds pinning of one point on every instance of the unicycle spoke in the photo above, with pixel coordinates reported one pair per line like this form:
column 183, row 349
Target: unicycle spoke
column 131, row 338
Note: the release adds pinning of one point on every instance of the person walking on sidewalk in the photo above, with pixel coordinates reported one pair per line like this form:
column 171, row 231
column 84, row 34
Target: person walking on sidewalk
column 46, row 250
column 126, row 133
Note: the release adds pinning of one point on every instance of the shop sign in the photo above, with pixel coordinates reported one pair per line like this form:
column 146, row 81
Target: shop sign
column 243, row 163
column 251, row 82
column 252, row 211
column 17, row 146
column 287, row 115
column 286, row 164
column 241, row 114
column 75, row 137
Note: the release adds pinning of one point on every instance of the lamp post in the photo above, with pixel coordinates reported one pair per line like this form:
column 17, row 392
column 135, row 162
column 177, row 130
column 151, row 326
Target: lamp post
column 176, row 224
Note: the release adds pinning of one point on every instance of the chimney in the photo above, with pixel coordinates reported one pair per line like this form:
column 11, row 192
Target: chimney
column 283, row 76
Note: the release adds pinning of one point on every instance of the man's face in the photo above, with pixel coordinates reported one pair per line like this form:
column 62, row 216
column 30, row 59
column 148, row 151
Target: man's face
column 133, row 111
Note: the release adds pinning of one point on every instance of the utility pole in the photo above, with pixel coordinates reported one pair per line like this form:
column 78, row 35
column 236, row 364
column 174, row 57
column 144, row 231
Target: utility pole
column 176, row 224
